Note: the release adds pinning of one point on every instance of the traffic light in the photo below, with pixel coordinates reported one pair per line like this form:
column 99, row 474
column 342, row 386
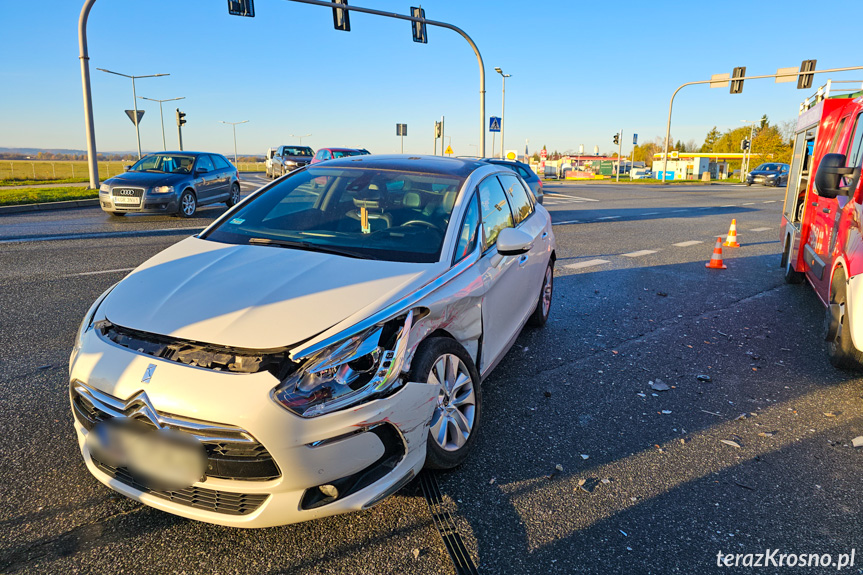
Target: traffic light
column 744, row 145
column 804, row 78
column 241, row 8
column 617, row 138
column 341, row 17
column 737, row 85
column 419, row 28
column 437, row 129
column 181, row 117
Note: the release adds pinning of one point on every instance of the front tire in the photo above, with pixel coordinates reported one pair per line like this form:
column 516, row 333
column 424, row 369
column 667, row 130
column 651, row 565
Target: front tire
column 117, row 214
column 188, row 204
column 543, row 306
column 842, row 352
column 234, row 198
column 443, row 362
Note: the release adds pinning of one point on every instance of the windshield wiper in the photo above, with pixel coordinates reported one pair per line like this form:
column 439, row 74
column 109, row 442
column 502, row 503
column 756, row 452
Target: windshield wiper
column 309, row 246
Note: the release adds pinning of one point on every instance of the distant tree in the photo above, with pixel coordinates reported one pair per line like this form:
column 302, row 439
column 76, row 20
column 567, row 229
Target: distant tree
column 764, row 122
column 679, row 146
column 535, row 157
column 710, row 140
column 691, row 146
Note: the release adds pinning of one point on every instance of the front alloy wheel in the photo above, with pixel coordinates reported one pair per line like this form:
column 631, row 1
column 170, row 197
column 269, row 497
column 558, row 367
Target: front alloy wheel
column 444, row 363
column 188, row 204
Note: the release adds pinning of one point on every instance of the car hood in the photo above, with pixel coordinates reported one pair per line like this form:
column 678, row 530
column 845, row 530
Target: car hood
column 146, row 179
column 255, row 297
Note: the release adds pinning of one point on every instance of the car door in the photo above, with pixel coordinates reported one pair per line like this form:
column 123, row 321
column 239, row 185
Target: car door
column 502, row 304
column 206, row 179
column 224, row 171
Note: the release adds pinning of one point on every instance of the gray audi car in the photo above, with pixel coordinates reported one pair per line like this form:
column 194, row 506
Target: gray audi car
column 171, row 183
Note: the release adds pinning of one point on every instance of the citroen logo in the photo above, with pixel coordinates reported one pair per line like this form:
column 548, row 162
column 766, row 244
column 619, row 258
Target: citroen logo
column 148, row 374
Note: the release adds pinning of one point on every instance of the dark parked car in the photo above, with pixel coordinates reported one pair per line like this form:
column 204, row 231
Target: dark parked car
column 522, row 170
column 768, row 175
column 171, row 183
column 289, row 158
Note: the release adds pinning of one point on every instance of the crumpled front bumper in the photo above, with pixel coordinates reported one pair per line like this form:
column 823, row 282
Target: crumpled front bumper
column 308, row 452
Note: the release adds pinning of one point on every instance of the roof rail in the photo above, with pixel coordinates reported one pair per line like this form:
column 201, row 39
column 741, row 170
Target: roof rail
column 825, row 91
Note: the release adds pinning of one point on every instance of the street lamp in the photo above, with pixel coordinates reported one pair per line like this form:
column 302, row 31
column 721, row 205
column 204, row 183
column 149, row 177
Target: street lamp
column 234, row 127
column 502, row 102
column 301, row 137
column 134, row 100
column 161, row 117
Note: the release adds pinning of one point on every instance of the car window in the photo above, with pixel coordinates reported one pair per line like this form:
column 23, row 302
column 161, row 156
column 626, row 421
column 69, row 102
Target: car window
column 204, row 162
column 220, row 162
column 517, row 196
column 852, row 159
column 368, row 213
column 327, row 155
column 496, row 214
column 469, row 233
column 319, row 155
column 835, row 141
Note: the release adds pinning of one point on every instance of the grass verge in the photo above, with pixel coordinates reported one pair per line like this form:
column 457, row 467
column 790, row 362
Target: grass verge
column 41, row 195
column 31, row 182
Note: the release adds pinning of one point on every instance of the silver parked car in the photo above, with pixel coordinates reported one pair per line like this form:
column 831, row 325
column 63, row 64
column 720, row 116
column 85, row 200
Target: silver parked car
column 171, row 183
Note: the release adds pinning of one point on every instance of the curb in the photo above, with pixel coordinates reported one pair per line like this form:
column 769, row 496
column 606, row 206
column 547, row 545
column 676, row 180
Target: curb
column 48, row 206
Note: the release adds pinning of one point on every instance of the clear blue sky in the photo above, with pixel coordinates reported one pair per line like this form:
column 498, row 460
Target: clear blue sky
column 579, row 71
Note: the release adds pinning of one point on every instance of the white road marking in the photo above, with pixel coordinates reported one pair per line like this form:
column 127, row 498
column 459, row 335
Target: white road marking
column 687, row 244
column 650, row 214
column 748, row 204
column 99, row 272
column 675, row 211
column 608, row 218
column 566, row 222
column 583, row 199
column 760, row 229
column 639, row 253
column 586, row 264
column 770, row 201
column 727, row 206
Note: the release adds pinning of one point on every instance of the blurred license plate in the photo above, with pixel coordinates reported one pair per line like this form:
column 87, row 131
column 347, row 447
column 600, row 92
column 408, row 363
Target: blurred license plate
column 160, row 459
column 127, row 200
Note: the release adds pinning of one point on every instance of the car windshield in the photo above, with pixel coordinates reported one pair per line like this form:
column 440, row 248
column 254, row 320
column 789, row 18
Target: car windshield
column 356, row 212
column 298, row 152
column 167, row 163
column 767, row 167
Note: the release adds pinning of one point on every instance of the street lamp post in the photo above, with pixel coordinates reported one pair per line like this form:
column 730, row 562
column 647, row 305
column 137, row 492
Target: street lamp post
column 502, row 103
column 301, row 137
column 161, row 116
column 134, row 100
column 234, row 127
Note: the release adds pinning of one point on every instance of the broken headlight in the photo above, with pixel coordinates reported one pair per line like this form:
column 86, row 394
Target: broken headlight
column 87, row 324
column 352, row 371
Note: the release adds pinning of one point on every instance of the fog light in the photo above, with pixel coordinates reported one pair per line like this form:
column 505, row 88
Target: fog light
column 329, row 491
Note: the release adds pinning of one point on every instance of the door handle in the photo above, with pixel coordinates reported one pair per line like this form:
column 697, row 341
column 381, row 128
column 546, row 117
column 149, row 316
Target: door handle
column 826, row 210
column 815, row 204
column 522, row 260
column 545, row 235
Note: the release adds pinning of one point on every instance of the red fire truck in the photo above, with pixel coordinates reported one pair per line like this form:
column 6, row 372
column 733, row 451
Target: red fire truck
column 822, row 219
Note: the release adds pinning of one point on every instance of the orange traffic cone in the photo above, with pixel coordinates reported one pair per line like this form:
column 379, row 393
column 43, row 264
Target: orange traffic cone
column 731, row 240
column 715, row 262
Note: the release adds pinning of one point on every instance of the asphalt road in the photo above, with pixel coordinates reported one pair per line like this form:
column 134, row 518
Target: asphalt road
column 647, row 486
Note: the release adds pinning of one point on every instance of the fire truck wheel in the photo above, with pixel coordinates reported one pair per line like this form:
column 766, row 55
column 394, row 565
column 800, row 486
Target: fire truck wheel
column 842, row 352
column 791, row 276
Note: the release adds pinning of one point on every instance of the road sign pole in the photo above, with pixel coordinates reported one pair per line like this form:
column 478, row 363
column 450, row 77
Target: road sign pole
column 619, row 144
column 84, row 58
column 492, row 143
column 502, row 108
column 135, row 107
column 442, row 135
column 434, row 132
column 180, row 137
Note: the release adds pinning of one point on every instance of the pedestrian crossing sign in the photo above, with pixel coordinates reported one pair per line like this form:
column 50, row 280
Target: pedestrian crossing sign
column 494, row 124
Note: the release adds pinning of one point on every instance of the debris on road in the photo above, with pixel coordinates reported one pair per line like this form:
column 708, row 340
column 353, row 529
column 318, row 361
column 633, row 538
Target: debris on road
column 624, row 532
column 857, row 441
column 767, row 433
column 658, row 385
column 491, row 481
column 829, row 414
column 416, row 553
column 666, row 412
column 712, row 413
column 705, row 378
column 559, row 467
column 731, row 443
column 585, row 456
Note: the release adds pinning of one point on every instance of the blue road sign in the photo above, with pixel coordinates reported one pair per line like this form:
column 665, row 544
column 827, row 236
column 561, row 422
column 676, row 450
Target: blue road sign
column 494, row 124
column 634, row 139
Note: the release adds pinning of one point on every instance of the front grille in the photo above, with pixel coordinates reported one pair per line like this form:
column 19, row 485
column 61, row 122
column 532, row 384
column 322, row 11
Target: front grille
column 232, row 453
column 208, row 499
column 127, row 197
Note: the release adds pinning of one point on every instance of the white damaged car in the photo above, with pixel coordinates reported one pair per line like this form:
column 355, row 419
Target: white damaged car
column 315, row 347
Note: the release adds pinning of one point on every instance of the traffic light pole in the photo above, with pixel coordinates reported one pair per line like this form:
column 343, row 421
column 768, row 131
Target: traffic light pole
column 619, row 144
column 671, row 103
column 330, row 5
column 180, row 136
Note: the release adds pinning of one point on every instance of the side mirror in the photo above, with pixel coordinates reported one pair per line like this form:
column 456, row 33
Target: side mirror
column 513, row 242
column 201, row 170
column 829, row 174
column 127, row 168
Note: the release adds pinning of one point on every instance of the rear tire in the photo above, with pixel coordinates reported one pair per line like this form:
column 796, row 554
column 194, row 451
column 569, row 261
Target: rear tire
column 842, row 352
column 540, row 314
column 443, row 362
column 234, row 198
